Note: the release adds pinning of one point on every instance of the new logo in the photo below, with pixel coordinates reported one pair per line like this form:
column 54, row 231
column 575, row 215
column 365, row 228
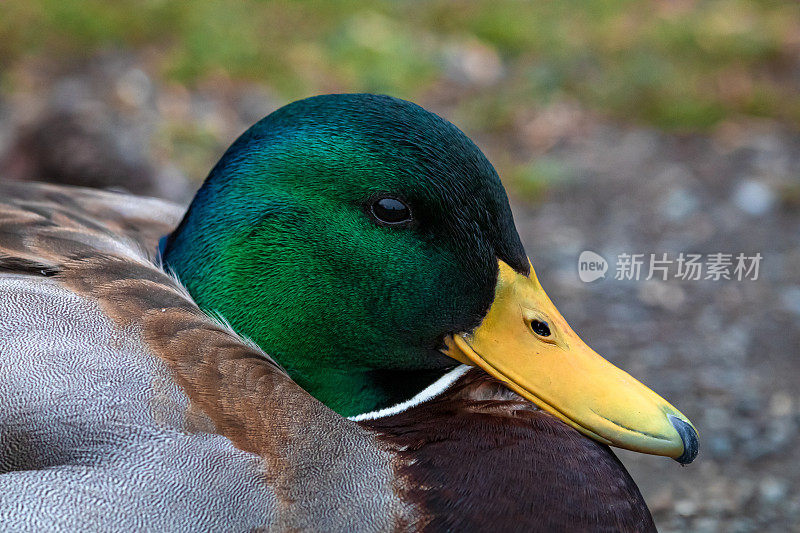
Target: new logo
column 591, row 266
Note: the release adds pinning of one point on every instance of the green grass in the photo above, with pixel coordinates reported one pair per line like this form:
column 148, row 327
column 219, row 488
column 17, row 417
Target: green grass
column 674, row 64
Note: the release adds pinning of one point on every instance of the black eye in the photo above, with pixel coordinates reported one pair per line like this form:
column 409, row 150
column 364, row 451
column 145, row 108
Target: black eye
column 540, row 327
column 390, row 211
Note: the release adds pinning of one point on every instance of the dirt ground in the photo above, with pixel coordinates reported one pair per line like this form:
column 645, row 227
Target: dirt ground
column 724, row 352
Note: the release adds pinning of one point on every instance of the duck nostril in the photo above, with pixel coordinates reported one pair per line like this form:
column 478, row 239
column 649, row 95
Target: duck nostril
column 540, row 327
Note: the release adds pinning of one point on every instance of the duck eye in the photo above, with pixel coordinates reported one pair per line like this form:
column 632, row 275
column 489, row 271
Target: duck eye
column 390, row 211
column 540, row 327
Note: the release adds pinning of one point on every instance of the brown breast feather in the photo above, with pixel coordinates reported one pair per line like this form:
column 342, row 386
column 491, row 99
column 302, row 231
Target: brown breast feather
column 481, row 458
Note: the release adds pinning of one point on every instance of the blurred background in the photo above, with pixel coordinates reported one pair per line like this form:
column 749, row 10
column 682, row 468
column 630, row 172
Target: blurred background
column 617, row 127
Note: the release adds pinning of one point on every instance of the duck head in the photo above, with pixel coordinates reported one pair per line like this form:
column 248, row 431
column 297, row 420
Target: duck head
column 368, row 246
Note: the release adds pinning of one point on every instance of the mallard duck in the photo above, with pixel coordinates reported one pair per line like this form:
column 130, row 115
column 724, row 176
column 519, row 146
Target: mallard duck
column 343, row 333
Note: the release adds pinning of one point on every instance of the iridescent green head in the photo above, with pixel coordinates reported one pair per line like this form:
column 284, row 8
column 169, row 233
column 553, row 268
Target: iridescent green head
column 368, row 245
column 347, row 235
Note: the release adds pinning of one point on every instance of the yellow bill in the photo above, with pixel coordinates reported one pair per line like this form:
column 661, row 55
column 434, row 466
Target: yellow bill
column 526, row 343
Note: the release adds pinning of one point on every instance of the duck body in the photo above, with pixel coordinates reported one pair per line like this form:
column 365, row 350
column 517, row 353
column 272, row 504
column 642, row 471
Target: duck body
column 342, row 333
column 106, row 427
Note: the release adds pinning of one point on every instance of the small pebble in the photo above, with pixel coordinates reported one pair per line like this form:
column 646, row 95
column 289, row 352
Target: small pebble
column 772, row 490
column 678, row 205
column 685, row 507
column 754, row 198
column 134, row 88
column 790, row 299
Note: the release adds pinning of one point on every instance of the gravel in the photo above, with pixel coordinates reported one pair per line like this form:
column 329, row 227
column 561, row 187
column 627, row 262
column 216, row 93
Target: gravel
column 724, row 352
